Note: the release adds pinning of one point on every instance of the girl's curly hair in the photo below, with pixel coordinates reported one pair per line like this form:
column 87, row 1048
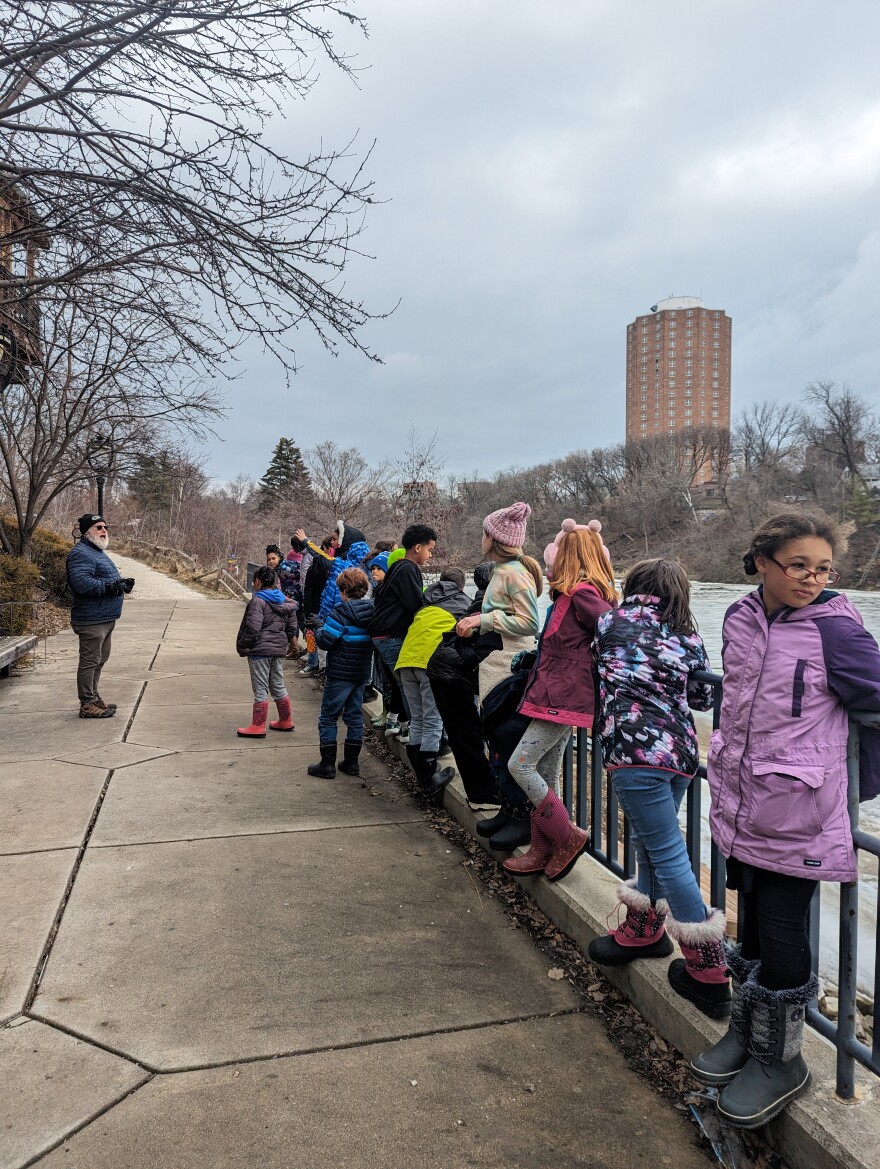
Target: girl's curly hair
column 791, row 525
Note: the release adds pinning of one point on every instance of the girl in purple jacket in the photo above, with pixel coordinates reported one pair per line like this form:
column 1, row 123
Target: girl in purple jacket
column 559, row 695
column 796, row 658
column 264, row 635
column 647, row 652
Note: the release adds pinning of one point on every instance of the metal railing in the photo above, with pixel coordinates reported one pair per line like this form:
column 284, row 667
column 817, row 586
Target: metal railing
column 589, row 796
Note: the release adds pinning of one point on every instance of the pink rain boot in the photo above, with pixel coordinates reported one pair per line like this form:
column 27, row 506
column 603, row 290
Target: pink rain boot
column 257, row 729
column 284, row 722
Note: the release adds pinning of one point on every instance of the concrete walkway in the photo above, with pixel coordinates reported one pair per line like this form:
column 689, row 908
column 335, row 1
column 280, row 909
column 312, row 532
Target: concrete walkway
column 211, row 959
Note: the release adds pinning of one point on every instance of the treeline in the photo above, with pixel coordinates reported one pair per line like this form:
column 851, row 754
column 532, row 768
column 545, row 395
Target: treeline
column 696, row 494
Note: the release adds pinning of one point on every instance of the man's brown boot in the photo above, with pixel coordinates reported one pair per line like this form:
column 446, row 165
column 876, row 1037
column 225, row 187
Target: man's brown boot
column 99, row 701
column 92, row 710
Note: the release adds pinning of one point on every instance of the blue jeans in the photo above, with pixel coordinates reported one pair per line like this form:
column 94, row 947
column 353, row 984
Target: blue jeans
column 345, row 698
column 651, row 799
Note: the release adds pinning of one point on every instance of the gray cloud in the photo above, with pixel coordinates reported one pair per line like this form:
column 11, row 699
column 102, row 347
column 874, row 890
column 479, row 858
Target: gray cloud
column 553, row 169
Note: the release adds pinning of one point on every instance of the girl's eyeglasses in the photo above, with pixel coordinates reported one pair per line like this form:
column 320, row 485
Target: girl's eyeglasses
column 796, row 572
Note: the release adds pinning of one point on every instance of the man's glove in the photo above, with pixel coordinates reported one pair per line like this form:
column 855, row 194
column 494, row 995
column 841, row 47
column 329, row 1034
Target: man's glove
column 128, row 583
column 114, row 588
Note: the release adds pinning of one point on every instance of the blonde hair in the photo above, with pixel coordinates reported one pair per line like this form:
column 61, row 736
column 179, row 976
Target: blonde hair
column 502, row 553
column 582, row 557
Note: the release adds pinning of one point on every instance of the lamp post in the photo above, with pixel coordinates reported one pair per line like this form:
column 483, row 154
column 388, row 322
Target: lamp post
column 99, row 456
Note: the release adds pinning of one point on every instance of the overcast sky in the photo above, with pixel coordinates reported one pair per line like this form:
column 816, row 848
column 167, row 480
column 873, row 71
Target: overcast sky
column 552, row 169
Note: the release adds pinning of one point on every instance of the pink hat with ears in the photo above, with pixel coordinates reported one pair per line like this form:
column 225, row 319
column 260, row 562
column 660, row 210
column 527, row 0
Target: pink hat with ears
column 569, row 526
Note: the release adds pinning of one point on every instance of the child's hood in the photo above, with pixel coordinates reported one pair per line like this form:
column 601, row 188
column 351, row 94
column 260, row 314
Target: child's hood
column 359, row 612
column 273, row 597
column 357, row 553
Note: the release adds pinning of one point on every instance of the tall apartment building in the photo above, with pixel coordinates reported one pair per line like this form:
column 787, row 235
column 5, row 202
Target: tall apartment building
column 677, row 368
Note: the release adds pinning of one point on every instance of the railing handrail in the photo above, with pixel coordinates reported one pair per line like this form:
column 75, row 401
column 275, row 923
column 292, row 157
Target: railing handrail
column 596, row 809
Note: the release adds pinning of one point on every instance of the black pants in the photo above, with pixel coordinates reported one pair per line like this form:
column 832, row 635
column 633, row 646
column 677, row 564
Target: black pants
column 461, row 721
column 775, row 926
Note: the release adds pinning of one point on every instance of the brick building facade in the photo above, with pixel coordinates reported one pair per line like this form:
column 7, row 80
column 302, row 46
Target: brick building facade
column 677, row 369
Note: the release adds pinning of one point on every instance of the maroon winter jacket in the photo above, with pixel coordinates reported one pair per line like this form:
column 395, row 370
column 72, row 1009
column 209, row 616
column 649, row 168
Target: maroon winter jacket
column 267, row 626
column 561, row 687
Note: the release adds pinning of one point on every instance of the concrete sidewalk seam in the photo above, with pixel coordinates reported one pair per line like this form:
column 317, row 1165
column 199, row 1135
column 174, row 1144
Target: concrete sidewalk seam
column 46, row 950
column 85, row 1123
column 323, row 1049
column 233, row 835
column 134, row 711
column 82, row 1037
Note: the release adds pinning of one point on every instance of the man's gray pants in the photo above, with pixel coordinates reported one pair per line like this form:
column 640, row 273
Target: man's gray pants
column 94, row 650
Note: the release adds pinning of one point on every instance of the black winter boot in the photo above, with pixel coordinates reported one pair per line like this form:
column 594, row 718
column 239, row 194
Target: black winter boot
column 326, row 769
column 433, row 779
column 414, row 755
column 517, row 830
column 775, row 1072
column 721, row 1063
column 349, row 764
column 493, row 824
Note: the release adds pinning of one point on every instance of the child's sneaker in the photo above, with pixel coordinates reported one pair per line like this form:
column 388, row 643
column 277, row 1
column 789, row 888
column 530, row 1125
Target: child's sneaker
column 377, row 721
column 392, row 725
column 308, row 671
column 403, row 733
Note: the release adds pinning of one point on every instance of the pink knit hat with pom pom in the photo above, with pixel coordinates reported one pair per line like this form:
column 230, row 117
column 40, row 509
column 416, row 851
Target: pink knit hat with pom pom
column 570, row 526
column 508, row 524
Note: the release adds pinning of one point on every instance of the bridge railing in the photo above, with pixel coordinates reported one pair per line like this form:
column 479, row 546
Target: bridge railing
column 591, row 801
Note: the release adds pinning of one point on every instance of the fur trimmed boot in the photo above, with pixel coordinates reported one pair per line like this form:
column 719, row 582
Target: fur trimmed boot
column 326, row 769
column 349, row 764
column 257, row 729
column 642, row 934
column 284, row 722
column 701, row 976
column 775, row 1072
column 721, row 1063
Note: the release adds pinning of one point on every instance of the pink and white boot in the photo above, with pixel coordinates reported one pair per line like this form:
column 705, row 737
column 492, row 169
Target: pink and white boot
column 642, row 933
column 702, row 976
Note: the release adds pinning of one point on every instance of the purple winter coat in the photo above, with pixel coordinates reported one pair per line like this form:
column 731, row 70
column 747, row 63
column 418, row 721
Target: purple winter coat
column 777, row 763
column 268, row 623
column 562, row 685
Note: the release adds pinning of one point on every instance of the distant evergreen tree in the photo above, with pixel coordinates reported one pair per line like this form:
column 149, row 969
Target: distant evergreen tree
column 286, row 480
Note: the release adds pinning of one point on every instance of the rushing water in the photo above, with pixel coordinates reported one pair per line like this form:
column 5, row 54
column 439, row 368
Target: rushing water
column 710, row 602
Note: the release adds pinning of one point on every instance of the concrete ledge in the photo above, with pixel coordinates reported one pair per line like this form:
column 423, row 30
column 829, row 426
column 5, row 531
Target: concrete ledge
column 818, row 1131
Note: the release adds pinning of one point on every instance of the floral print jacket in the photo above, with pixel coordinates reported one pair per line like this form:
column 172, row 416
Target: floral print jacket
column 646, row 688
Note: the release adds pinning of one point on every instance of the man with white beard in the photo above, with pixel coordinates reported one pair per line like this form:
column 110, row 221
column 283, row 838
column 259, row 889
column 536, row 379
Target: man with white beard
column 97, row 590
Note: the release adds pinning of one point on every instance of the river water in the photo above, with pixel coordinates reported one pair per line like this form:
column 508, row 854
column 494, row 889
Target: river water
column 709, row 603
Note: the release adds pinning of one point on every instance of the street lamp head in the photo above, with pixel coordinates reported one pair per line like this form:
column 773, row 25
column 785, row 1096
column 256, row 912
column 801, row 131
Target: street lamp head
column 99, row 455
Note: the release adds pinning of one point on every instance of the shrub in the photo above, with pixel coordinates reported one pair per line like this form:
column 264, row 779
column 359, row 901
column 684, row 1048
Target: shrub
column 18, row 579
column 49, row 555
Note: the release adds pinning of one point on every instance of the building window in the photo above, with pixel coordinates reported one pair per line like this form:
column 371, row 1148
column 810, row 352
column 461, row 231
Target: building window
column 716, row 315
column 716, row 344
column 688, row 381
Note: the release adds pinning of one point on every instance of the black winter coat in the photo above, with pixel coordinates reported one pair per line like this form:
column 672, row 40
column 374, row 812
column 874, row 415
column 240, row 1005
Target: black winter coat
column 267, row 626
column 316, row 578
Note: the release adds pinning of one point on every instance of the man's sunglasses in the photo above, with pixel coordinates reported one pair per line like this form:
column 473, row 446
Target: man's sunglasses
column 100, row 527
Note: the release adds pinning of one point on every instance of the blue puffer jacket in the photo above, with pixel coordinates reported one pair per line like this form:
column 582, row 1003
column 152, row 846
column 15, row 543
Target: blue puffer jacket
column 353, row 558
column 89, row 571
column 345, row 635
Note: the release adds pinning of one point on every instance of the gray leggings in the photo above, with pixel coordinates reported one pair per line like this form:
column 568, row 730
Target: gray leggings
column 536, row 763
column 267, row 677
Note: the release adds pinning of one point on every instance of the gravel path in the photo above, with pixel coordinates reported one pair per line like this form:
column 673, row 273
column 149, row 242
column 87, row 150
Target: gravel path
column 151, row 585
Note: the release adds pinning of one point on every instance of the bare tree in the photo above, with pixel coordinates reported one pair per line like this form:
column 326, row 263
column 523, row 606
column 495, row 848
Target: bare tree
column 106, row 373
column 136, row 134
column 345, row 486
